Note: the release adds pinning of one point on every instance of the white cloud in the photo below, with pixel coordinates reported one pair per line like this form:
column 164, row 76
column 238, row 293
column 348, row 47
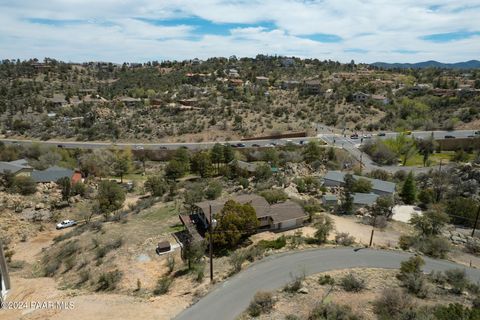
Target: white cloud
column 111, row 29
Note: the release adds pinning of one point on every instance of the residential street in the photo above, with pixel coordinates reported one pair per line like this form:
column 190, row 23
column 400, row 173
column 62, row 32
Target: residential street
column 232, row 296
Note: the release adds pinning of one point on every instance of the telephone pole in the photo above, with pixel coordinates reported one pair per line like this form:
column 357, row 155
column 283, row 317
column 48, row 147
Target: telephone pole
column 211, row 243
column 476, row 220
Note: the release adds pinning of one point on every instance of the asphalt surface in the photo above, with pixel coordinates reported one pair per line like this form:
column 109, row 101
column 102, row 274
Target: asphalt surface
column 159, row 146
column 231, row 297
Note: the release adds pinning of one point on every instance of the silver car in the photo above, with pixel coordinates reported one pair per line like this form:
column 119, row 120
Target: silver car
column 66, row 224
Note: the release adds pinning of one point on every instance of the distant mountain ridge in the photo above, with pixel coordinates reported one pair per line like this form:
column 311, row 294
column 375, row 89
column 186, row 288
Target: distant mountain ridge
column 472, row 64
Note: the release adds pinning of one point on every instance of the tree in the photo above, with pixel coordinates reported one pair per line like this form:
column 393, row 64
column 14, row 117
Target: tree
column 156, row 185
column 324, row 226
column 202, row 164
column 213, row 191
column 462, row 210
column 409, row 193
column 235, row 222
column 193, row 252
column 24, row 185
column 216, row 155
column 426, row 147
column 430, row 223
column 183, row 157
column 174, row 170
column 312, row 152
column 228, row 153
column 362, row 185
column 347, row 197
column 66, row 187
column 263, row 172
column 122, row 163
column 382, row 207
column 110, row 197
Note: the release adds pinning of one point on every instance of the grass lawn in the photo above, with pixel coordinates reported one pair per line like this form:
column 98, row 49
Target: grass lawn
column 444, row 157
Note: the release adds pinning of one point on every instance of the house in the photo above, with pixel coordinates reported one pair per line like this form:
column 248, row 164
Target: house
column 289, row 84
column 261, row 80
column 379, row 187
column 233, row 73
column 364, row 199
column 17, row 167
column 53, row 174
column 58, row 100
column 280, row 216
column 312, row 87
column 249, row 167
column 380, row 98
column 360, row 97
column 330, row 200
column 130, row 102
column 287, row 62
column 4, row 277
column 188, row 102
column 360, row 200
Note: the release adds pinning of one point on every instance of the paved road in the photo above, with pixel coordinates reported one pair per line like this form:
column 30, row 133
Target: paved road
column 157, row 146
column 232, row 297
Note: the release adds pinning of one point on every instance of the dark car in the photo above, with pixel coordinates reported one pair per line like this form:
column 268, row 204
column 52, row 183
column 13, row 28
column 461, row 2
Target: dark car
column 381, row 134
column 477, row 133
column 59, row 145
column 449, row 137
column 354, row 136
column 162, row 148
column 255, row 145
column 241, row 145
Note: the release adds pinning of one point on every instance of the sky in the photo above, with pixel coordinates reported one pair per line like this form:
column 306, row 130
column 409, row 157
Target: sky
column 145, row 30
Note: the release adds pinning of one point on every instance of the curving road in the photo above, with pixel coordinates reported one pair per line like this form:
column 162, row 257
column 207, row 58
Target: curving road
column 232, row 296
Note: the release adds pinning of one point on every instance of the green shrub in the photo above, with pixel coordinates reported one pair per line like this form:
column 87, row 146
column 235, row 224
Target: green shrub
column 392, row 304
column 457, row 278
column 455, row 311
column 102, row 251
column 274, row 195
column 344, row 239
column 163, row 285
column 295, row 284
column 332, row 311
column 170, row 264
column 326, row 279
column 237, row 258
column 351, row 283
column 108, row 281
column 276, row 244
column 324, row 226
column 24, row 185
column 262, row 303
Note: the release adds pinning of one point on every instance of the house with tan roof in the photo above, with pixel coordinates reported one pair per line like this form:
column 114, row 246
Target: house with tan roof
column 276, row 217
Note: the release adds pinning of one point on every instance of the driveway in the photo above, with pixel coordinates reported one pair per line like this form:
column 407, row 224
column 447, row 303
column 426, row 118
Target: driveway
column 232, row 296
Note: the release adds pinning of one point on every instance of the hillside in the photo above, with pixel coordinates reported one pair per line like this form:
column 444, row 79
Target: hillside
column 222, row 99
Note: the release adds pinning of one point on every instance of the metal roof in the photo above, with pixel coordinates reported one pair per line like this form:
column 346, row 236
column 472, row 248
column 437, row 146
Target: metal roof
column 12, row 167
column 379, row 185
column 51, row 174
column 365, row 198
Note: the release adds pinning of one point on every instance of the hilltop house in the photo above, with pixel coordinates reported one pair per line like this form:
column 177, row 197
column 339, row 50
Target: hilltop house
column 280, row 216
column 379, row 187
column 17, row 168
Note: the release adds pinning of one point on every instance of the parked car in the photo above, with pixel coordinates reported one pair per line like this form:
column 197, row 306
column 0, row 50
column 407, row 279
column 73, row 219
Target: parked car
column 449, row 137
column 241, row 145
column 59, row 145
column 381, row 134
column 354, row 136
column 255, row 145
column 367, row 136
column 139, row 148
column 162, row 148
column 477, row 133
column 66, row 224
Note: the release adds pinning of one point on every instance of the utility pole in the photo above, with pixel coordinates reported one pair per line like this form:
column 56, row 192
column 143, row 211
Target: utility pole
column 440, row 169
column 211, row 244
column 373, row 230
column 476, row 220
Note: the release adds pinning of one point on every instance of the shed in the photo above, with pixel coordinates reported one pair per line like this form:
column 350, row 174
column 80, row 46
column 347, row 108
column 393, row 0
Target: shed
column 163, row 246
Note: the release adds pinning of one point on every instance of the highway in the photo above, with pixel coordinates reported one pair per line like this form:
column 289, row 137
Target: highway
column 231, row 297
column 157, row 146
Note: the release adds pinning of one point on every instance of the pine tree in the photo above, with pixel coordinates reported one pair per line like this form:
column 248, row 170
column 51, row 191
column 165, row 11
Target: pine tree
column 409, row 192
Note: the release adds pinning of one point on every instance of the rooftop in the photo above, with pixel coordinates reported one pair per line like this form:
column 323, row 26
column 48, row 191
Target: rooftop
column 380, row 185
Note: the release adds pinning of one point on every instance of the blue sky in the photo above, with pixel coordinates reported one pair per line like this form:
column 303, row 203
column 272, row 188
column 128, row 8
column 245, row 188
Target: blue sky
column 142, row 30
